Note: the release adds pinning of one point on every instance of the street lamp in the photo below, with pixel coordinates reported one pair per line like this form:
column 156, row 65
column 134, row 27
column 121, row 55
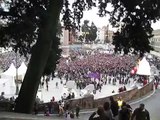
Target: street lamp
column 16, row 80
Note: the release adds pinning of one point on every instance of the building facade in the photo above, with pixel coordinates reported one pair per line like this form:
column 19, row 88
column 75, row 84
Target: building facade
column 104, row 34
column 155, row 40
column 68, row 37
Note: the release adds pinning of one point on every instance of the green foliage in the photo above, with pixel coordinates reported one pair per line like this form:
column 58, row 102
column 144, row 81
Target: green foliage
column 93, row 32
column 130, row 14
column 89, row 32
column 24, row 20
column 134, row 18
column 81, row 37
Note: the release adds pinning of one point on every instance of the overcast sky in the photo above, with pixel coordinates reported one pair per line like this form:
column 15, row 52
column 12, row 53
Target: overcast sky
column 99, row 22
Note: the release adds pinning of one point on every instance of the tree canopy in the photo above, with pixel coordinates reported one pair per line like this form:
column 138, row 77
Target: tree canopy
column 134, row 17
column 89, row 32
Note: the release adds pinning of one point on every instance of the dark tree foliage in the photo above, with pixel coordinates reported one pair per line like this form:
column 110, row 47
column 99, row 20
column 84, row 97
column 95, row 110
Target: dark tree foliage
column 26, row 26
column 93, row 32
column 23, row 21
column 89, row 32
column 130, row 14
column 20, row 31
column 135, row 17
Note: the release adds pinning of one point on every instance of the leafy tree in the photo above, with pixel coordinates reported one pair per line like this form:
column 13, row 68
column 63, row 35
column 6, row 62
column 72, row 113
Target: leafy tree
column 135, row 17
column 30, row 27
column 93, row 32
column 89, row 32
column 81, row 37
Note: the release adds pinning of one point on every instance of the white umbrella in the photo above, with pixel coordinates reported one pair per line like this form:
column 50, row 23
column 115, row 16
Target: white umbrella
column 70, row 84
column 89, row 87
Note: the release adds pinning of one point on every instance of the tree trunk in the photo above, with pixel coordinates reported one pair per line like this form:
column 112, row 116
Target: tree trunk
column 40, row 53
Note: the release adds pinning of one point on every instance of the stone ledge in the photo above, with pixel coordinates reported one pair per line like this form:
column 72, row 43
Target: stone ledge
column 18, row 116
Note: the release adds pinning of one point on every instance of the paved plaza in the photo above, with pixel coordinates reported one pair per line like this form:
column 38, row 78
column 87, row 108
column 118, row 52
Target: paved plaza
column 57, row 92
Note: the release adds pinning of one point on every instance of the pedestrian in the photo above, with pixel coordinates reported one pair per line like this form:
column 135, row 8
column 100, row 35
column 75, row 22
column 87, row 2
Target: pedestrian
column 120, row 102
column 114, row 108
column 100, row 113
column 77, row 110
column 2, row 96
column 56, row 84
column 124, row 113
column 140, row 113
column 107, row 110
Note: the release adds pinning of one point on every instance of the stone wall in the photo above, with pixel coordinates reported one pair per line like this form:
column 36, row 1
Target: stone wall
column 89, row 102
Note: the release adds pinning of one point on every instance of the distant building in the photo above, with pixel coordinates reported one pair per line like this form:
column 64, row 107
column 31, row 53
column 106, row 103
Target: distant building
column 104, row 34
column 155, row 40
column 68, row 37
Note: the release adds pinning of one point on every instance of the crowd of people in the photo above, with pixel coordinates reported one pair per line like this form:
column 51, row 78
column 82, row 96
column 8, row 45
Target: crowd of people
column 92, row 67
column 119, row 110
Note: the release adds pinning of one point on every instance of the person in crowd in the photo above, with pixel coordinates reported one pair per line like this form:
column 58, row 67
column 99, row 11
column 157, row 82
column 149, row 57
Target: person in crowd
column 51, row 106
column 72, row 114
column 120, row 102
column 107, row 110
column 77, row 110
column 125, row 113
column 73, row 95
column 12, row 102
column 67, row 115
column 46, row 111
column 53, row 98
column 64, row 97
column 140, row 113
column 61, row 110
column 113, row 91
column 2, row 96
column 101, row 115
column 36, row 107
column 69, row 96
column 114, row 108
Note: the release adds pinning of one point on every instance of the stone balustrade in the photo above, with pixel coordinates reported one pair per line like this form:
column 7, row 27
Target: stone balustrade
column 89, row 102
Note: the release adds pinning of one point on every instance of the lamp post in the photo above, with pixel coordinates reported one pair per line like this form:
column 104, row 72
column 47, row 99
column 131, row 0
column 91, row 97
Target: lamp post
column 16, row 80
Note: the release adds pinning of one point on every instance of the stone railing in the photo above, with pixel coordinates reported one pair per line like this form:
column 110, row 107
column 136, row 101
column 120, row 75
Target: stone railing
column 89, row 102
column 127, row 95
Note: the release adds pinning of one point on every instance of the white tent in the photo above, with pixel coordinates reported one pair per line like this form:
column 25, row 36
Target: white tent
column 22, row 71
column 7, row 81
column 11, row 72
column 8, row 87
column 144, row 67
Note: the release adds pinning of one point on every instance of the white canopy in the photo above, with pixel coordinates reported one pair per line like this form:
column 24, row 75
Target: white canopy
column 144, row 67
column 10, row 72
column 8, row 87
column 22, row 69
